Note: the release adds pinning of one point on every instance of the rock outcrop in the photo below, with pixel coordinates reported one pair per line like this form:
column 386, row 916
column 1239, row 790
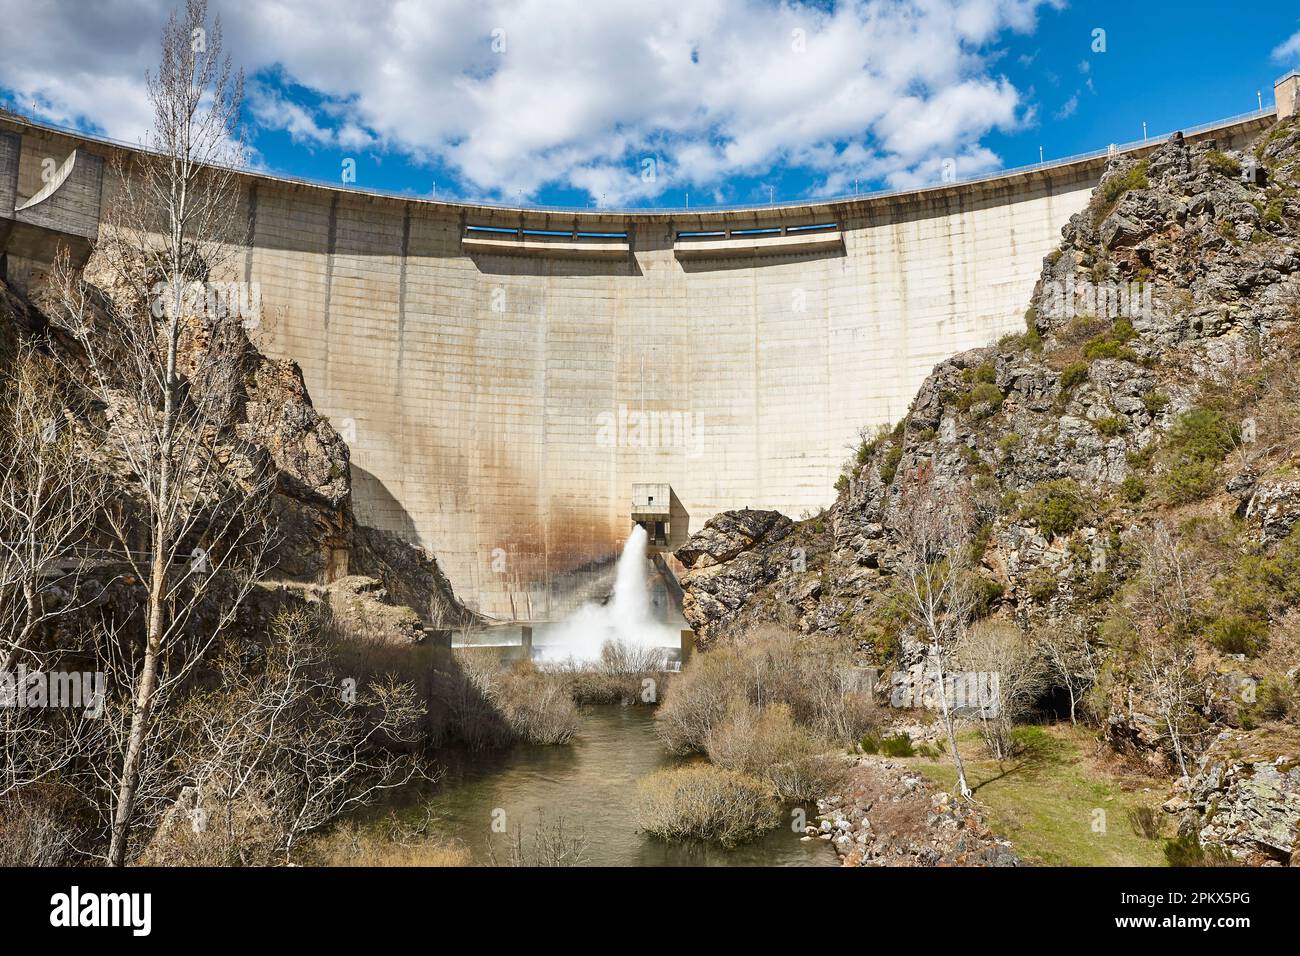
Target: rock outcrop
column 316, row 538
column 1154, row 385
column 1245, row 798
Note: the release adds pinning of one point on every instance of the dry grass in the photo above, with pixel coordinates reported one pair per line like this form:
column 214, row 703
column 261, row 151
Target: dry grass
column 492, row 704
column 766, row 743
column 702, row 802
column 390, row 843
column 808, row 675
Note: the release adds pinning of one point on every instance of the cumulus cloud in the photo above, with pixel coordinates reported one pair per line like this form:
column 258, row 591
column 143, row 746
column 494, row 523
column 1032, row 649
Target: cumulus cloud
column 513, row 97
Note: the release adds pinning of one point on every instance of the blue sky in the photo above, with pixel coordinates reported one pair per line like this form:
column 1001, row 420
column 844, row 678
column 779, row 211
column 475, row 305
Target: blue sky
column 566, row 102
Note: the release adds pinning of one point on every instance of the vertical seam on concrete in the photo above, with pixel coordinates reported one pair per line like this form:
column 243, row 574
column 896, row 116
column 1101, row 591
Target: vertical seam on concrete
column 252, row 233
column 18, row 159
column 403, row 444
column 329, row 279
column 757, row 491
column 401, row 298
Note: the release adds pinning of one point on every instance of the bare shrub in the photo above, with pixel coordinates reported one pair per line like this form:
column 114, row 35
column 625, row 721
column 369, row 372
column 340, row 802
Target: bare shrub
column 492, row 705
column 703, row 802
column 625, row 674
column 551, row 845
column 393, row 842
column 34, row 833
column 767, row 744
column 536, row 706
column 769, row 666
column 281, row 747
column 1072, row 662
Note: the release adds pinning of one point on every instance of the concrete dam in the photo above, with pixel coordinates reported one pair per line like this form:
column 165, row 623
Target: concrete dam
column 517, row 385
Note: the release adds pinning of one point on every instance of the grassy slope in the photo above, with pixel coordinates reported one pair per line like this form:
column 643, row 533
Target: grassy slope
column 1044, row 801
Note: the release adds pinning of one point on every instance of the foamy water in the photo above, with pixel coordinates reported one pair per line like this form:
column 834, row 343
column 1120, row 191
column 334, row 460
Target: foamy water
column 625, row 618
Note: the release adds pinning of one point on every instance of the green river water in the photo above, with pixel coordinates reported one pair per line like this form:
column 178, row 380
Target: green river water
column 592, row 784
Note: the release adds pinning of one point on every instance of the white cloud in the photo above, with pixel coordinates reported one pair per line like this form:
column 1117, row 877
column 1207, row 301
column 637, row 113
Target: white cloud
column 513, row 96
column 1068, row 108
column 1289, row 50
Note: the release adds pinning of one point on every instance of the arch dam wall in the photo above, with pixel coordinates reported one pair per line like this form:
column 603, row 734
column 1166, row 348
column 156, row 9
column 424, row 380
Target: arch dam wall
column 503, row 388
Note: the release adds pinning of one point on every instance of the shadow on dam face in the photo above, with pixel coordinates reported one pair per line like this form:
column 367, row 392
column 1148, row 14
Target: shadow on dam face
column 374, row 505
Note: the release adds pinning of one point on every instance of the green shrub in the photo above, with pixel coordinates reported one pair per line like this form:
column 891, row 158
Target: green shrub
column 1134, row 178
column 1272, row 216
column 1055, row 506
column 1188, row 481
column 1237, row 634
column 1197, row 443
column 1203, row 433
column 1074, row 374
column 1133, row 489
column 983, row 400
column 1186, row 850
column 1155, row 402
column 1028, row 340
column 1042, row 585
column 1276, row 697
column 1106, row 347
column 897, row 745
column 1223, row 163
column 1110, row 425
column 986, row 373
column 870, row 744
column 889, row 464
column 987, row 594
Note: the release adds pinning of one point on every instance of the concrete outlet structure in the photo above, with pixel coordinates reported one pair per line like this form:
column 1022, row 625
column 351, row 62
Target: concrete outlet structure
column 513, row 381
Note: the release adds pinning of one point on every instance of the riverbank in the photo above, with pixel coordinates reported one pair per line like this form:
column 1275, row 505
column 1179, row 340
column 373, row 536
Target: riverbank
column 490, row 805
column 889, row 814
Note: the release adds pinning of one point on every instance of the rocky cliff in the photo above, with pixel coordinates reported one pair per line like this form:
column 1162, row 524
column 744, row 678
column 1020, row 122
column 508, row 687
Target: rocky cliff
column 1154, row 387
column 374, row 581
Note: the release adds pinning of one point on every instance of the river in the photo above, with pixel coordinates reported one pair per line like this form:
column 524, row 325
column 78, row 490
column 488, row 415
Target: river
column 592, row 784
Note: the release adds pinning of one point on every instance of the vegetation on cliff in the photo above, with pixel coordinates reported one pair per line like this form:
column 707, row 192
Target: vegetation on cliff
column 1126, row 471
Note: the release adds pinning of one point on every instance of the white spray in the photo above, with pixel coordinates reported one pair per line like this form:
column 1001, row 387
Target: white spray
column 625, row 618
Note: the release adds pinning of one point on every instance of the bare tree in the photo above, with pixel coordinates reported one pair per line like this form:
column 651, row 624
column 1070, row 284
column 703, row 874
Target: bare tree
column 50, row 496
column 1072, row 661
column 1168, row 670
column 1003, row 659
column 1162, row 613
column 167, row 361
column 284, row 746
column 934, row 533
